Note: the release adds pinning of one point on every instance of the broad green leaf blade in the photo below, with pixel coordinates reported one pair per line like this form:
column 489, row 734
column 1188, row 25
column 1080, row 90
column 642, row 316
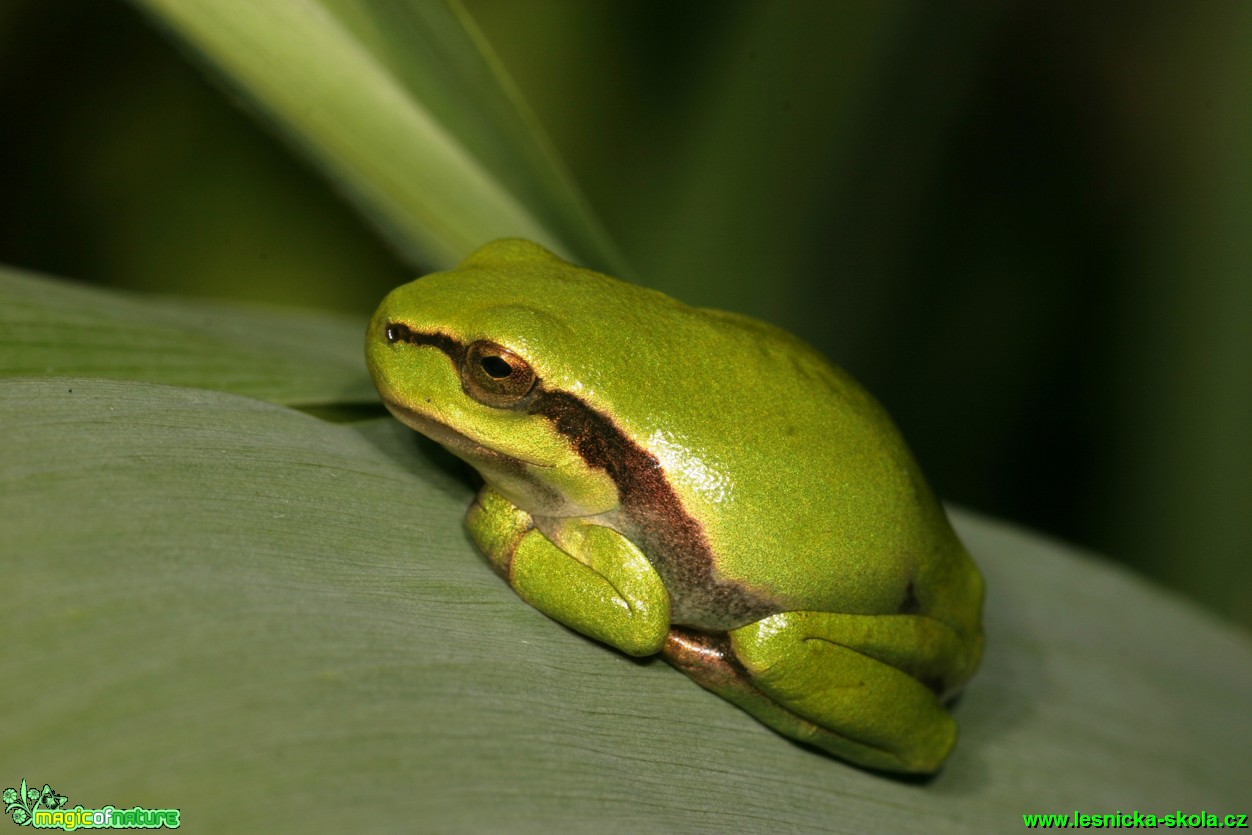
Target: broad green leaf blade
column 277, row 624
column 50, row 327
column 368, row 102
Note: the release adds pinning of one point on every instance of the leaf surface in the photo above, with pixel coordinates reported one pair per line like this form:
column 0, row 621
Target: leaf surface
column 275, row 622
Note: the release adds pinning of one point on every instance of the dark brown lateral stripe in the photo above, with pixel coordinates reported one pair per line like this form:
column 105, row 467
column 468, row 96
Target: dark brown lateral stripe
column 671, row 539
column 668, row 536
column 396, row 332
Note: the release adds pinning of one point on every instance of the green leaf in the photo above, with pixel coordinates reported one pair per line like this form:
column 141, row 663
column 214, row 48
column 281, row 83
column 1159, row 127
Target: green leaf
column 403, row 107
column 244, row 612
column 53, row 328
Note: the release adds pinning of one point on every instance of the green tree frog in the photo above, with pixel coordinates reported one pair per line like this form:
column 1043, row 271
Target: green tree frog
column 694, row 483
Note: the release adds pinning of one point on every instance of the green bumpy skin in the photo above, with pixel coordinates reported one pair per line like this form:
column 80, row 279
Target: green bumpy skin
column 668, row 479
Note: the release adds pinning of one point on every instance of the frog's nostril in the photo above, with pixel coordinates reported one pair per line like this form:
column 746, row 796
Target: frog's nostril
column 398, row 333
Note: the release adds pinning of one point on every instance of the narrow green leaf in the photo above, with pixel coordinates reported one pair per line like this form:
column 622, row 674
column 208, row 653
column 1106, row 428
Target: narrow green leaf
column 364, row 90
column 435, row 50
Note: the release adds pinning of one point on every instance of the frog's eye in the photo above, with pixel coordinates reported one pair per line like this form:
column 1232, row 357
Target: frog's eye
column 495, row 376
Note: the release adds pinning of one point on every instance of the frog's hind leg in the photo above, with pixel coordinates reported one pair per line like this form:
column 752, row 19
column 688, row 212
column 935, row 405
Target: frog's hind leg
column 710, row 661
column 874, row 684
column 834, row 681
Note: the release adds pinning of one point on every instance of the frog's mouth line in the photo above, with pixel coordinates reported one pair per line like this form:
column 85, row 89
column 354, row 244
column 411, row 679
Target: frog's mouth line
column 453, row 440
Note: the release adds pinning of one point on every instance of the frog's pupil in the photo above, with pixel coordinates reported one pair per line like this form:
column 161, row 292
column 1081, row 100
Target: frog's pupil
column 496, row 367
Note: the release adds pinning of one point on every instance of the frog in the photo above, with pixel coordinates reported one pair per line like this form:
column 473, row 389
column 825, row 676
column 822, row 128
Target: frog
column 695, row 484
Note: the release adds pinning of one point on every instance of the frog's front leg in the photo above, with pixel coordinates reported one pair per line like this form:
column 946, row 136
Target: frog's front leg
column 850, row 684
column 588, row 577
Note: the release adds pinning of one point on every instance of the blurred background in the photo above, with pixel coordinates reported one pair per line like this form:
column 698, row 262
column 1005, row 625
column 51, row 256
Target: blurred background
column 1026, row 227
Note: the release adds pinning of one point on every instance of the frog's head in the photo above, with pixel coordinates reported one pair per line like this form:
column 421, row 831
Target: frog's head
column 494, row 361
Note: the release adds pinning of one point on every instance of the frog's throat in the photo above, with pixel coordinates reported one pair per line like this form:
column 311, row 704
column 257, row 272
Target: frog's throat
column 458, row 443
column 672, row 540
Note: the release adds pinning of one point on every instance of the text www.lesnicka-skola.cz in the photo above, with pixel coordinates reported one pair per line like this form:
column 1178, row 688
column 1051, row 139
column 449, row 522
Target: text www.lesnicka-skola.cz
column 1135, row 820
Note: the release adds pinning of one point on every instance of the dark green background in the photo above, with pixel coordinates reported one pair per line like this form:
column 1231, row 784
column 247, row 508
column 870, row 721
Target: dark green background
column 1026, row 227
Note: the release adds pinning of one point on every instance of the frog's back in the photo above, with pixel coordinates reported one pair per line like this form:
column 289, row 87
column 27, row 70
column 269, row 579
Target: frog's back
column 809, row 496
